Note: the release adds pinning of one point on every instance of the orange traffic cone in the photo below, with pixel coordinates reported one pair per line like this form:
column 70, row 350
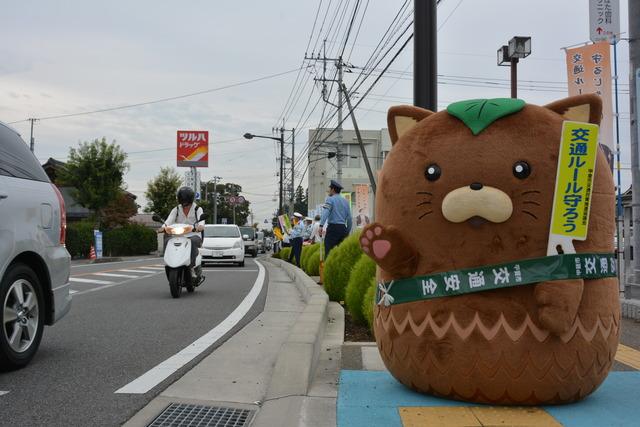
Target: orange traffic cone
column 92, row 253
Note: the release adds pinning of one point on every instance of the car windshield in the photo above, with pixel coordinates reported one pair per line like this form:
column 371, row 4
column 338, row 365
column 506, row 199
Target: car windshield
column 248, row 231
column 221, row 232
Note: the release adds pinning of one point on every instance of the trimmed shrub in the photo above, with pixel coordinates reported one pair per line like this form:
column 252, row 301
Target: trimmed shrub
column 368, row 302
column 307, row 255
column 313, row 264
column 79, row 238
column 131, row 239
column 284, row 253
column 275, row 255
column 359, row 283
column 338, row 265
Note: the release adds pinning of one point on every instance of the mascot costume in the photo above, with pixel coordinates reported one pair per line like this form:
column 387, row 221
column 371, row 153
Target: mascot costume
column 487, row 292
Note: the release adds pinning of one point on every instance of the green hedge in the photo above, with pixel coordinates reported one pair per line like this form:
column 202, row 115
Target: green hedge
column 359, row 282
column 338, row 265
column 306, row 255
column 313, row 264
column 369, row 302
column 284, row 253
column 131, row 239
column 79, row 238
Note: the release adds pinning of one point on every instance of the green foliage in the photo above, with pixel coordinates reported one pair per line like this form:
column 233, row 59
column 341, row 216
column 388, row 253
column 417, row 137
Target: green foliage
column 95, row 169
column 478, row 114
column 313, row 264
column 338, row 265
column 306, row 256
column 79, row 238
column 368, row 303
column 119, row 210
column 284, row 253
column 161, row 192
column 359, row 280
column 132, row 239
column 224, row 208
column 275, row 255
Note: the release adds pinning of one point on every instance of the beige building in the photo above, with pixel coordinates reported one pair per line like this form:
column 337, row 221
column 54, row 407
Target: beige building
column 323, row 163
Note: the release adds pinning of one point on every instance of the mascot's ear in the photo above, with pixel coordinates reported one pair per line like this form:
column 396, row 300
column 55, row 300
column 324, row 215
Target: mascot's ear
column 402, row 118
column 580, row 108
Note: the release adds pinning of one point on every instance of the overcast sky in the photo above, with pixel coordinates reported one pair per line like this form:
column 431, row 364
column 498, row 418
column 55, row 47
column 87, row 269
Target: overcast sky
column 75, row 56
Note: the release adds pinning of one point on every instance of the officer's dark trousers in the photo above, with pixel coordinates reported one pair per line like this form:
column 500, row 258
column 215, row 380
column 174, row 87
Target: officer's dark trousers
column 296, row 250
column 334, row 235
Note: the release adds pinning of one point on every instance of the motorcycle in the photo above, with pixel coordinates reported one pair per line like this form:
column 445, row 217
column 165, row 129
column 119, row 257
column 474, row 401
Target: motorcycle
column 177, row 259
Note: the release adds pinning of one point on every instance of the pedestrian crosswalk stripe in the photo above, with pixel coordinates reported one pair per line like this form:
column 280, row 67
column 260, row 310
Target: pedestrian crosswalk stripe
column 137, row 271
column 152, row 268
column 126, row 276
column 83, row 280
column 71, row 292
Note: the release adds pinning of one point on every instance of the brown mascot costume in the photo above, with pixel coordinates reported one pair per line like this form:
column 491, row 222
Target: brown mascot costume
column 469, row 188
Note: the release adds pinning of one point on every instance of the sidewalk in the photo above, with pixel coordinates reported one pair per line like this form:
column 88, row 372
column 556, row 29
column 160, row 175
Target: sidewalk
column 281, row 369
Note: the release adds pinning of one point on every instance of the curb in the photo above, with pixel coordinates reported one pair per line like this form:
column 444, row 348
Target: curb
column 298, row 358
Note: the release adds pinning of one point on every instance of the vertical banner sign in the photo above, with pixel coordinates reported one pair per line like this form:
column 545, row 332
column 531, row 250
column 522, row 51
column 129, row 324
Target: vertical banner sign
column 638, row 102
column 604, row 20
column 589, row 71
column 285, row 224
column 193, row 148
column 98, row 238
column 574, row 182
column 361, row 213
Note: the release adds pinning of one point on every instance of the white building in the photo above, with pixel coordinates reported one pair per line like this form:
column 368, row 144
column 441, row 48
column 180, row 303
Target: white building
column 323, row 164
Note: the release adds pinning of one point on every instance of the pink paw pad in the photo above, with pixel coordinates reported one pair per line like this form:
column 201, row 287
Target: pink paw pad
column 378, row 231
column 369, row 234
column 364, row 241
column 381, row 248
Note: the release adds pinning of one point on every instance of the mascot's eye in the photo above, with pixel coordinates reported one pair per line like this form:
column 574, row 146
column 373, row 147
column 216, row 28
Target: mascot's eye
column 521, row 170
column 433, row 172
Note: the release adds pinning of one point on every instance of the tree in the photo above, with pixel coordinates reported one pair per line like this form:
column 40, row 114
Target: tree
column 225, row 209
column 119, row 210
column 300, row 203
column 95, row 169
column 161, row 192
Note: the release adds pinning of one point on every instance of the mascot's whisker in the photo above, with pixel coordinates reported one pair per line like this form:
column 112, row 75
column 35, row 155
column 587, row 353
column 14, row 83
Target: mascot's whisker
column 423, row 203
column 424, row 214
column 530, row 214
column 530, row 192
column 424, row 192
column 531, row 202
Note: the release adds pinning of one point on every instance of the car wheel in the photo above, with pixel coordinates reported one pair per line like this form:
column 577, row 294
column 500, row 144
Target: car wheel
column 241, row 264
column 254, row 253
column 22, row 318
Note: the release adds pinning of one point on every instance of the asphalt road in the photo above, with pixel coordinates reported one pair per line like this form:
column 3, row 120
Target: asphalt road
column 119, row 328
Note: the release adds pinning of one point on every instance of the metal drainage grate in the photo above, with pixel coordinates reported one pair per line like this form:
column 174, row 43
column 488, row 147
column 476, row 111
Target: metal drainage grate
column 180, row 414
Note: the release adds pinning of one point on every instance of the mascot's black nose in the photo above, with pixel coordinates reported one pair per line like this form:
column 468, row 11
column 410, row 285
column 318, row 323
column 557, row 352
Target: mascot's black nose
column 476, row 186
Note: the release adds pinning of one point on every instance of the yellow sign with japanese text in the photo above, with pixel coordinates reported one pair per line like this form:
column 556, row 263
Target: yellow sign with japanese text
column 574, row 180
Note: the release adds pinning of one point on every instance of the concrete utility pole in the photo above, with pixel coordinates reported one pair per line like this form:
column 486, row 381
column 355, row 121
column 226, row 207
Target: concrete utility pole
column 215, row 198
column 32, row 140
column 632, row 288
column 281, row 168
column 425, row 58
column 293, row 171
column 339, row 130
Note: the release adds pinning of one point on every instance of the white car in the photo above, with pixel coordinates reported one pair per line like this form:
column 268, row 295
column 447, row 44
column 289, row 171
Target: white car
column 34, row 263
column 222, row 244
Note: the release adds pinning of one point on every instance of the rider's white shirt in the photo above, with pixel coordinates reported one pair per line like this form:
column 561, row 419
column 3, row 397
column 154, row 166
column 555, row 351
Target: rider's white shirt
column 177, row 216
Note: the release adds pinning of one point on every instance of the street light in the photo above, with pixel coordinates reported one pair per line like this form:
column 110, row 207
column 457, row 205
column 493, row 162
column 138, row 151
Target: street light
column 281, row 140
column 509, row 55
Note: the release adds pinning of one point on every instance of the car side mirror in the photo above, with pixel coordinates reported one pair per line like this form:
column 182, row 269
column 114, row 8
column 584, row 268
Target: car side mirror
column 156, row 218
column 245, row 237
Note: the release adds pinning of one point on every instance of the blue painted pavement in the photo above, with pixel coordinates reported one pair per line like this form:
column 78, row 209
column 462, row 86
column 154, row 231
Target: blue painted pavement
column 372, row 398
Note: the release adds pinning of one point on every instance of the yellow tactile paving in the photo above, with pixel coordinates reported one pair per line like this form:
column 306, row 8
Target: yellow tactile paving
column 475, row 416
column 629, row 356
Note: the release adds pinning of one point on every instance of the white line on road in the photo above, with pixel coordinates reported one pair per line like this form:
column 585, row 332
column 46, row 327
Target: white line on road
column 127, row 276
column 152, row 268
column 137, row 271
column 71, row 292
column 2, row 393
column 160, row 372
column 224, row 270
column 115, row 262
column 83, row 280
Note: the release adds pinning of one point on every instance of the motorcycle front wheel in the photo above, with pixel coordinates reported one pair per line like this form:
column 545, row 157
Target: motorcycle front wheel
column 174, row 283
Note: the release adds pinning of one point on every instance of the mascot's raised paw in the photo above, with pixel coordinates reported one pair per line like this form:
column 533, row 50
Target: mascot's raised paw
column 387, row 247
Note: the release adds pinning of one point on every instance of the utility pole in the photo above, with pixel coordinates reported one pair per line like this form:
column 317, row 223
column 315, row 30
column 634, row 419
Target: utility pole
column 281, row 169
column 339, row 131
column 215, row 198
column 293, row 172
column 32, row 140
column 425, row 50
column 632, row 288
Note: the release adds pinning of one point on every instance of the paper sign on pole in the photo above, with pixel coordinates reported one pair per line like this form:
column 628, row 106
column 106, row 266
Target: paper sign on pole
column 574, row 182
column 361, row 213
column 193, row 148
column 604, row 20
column 589, row 71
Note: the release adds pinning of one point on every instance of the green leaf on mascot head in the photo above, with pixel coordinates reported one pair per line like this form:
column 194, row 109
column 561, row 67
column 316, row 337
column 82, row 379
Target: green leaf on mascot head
column 479, row 114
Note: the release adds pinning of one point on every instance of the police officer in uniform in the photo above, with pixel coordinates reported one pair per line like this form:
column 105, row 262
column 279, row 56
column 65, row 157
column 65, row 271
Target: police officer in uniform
column 336, row 213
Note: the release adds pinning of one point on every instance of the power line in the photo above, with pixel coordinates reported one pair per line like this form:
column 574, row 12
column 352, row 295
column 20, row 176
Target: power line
column 173, row 98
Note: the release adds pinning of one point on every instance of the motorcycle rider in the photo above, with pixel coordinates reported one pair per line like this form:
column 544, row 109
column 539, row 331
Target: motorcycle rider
column 187, row 212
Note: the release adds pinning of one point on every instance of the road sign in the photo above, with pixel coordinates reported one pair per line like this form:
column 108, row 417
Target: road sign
column 197, row 195
column 604, row 20
column 239, row 200
column 231, row 200
column 193, row 148
column 98, row 238
column 223, row 220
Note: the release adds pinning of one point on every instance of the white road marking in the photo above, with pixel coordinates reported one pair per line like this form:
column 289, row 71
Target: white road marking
column 126, row 276
column 71, row 292
column 2, row 393
column 83, row 280
column 152, row 268
column 162, row 371
column 224, row 270
column 115, row 262
column 137, row 271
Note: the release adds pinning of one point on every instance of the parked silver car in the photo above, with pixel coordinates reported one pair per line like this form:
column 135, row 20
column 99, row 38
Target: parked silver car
column 34, row 263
